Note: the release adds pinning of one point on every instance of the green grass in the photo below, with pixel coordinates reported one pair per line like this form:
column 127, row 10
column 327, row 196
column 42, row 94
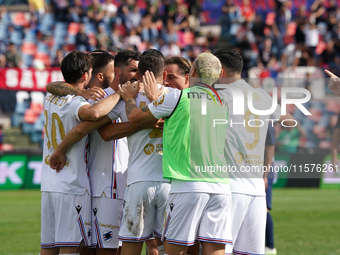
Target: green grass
column 306, row 221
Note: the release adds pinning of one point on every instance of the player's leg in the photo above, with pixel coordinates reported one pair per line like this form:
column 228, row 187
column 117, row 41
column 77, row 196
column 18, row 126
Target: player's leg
column 270, row 247
column 47, row 226
column 73, row 222
column 138, row 217
column 251, row 237
column 213, row 248
column 106, row 214
column 161, row 199
column 152, row 247
column 214, row 231
column 239, row 208
column 183, row 215
column 194, row 249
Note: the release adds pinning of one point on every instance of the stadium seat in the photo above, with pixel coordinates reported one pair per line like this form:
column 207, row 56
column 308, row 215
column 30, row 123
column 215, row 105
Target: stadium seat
column 16, row 36
column 36, row 136
column 3, row 32
column 21, row 105
column 31, row 36
column 38, row 97
column 44, row 57
column 27, row 128
column 42, row 47
column 29, row 48
column 73, row 28
column 21, row 19
column 27, row 60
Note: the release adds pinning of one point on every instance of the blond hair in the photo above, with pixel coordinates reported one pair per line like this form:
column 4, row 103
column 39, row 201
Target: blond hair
column 208, row 67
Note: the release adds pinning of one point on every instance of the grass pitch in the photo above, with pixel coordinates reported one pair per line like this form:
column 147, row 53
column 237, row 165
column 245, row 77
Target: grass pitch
column 306, row 221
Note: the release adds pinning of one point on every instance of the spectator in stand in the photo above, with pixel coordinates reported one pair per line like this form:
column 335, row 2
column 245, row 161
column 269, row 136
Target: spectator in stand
column 181, row 17
column 149, row 29
column 3, row 61
column 116, row 38
column 291, row 56
column 317, row 11
column 13, row 56
column 258, row 29
column 58, row 58
column 82, row 40
column 329, row 58
column 282, row 18
column 171, row 49
column 311, row 37
column 61, row 10
column 133, row 19
column 169, row 32
column 104, row 41
column 230, row 16
column 95, row 12
column 267, row 55
column 133, row 39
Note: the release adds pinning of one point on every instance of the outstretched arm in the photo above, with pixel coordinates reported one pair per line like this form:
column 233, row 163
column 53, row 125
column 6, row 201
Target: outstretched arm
column 334, row 83
column 61, row 88
column 116, row 131
column 99, row 110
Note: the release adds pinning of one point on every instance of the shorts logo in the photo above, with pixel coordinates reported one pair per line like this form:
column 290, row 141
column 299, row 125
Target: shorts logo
column 89, row 233
column 171, row 206
column 239, row 157
column 95, row 210
column 124, row 204
column 149, row 148
column 107, row 236
column 78, row 208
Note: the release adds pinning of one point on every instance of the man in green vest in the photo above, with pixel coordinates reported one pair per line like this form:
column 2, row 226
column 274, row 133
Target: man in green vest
column 193, row 158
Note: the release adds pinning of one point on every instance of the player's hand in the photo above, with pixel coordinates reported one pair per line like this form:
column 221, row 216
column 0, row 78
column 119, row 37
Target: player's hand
column 57, row 160
column 129, row 90
column 256, row 86
column 152, row 92
column 265, row 179
column 94, row 93
column 160, row 124
column 335, row 162
column 334, row 83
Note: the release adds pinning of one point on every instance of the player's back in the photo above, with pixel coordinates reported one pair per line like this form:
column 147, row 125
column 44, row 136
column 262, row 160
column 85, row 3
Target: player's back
column 245, row 137
column 145, row 146
column 61, row 115
column 107, row 163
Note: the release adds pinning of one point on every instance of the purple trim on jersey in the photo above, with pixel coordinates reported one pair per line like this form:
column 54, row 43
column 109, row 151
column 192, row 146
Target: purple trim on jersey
column 246, row 253
column 47, row 245
column 179, row 242
column 98, row 235
column 135, row 239
column 71, row 244
column 215, row 240
column 82, row 230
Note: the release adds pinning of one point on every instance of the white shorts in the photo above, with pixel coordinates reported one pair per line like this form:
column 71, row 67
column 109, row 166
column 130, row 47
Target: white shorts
column 202, row 216
column 106, row 217
column 248, row 216
column 65, row 219
column 144, row 209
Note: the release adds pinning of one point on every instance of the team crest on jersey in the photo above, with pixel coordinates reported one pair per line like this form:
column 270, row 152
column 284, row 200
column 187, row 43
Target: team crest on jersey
column 149, row 148
column 159, row 101
column 239, row 157
column 107, row 236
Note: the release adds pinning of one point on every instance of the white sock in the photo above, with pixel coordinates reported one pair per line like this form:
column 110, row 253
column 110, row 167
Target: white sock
column 160, row 250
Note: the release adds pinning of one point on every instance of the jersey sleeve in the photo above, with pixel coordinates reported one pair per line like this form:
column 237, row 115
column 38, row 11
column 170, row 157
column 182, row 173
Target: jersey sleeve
column 76, row 103
column 117, row 111
column 270, row 139
column 165, row 104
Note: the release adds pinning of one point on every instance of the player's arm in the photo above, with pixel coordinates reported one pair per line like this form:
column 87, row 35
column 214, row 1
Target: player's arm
column 288, row 119
column 61, row 88
column 115, row 131
column 334, row 83
column 58, row 158
column 335, row 145
column 99, row 110
column 268, row 161
column 134, row 114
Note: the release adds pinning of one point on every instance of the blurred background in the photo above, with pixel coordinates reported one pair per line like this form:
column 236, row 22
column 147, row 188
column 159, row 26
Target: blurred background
column 283, row 43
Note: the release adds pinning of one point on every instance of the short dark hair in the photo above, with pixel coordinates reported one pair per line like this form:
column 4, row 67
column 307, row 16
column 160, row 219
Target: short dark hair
column 153, row 51
column 100, row 58
column 74, row 65
column 152, row 63
column 123, row 57
column 230, row 59
column 183, row 64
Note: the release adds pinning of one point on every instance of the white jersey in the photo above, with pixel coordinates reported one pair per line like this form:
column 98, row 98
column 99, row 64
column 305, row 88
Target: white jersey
column 61, row 115
column 245, row 139
column 107, row 163
column 145, row 147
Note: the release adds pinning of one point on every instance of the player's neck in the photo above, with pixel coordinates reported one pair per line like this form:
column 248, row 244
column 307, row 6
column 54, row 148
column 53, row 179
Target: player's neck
column 114, row 85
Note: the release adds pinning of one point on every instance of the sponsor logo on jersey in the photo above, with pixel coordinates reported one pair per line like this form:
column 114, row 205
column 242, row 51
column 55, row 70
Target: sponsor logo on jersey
column 149, row 149
column 159, row 101
column 107, row 236
column 171, row 206
column 239, row 157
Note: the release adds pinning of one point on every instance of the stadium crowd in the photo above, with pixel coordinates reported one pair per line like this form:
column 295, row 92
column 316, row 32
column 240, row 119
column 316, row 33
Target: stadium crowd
column 274, row 37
